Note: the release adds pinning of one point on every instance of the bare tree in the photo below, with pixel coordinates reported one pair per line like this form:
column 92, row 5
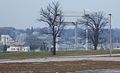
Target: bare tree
column 53, row 16
column 95, row 22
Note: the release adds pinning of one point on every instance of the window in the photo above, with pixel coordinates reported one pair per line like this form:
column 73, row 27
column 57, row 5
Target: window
column 12, row 48
column 18, row 49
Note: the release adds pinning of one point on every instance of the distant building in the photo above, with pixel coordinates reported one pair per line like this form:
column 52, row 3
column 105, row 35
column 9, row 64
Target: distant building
column 38, row 43
column 6, row 40
column 1, row 47
column 18, row 48
column 21, row 37
column 116, row 46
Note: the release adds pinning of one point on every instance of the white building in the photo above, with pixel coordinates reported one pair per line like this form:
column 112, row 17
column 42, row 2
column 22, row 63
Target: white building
column 6, row 39
column 18, row 48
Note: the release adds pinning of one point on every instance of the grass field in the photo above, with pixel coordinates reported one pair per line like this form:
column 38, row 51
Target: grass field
column 54, row 67
column 23, row 55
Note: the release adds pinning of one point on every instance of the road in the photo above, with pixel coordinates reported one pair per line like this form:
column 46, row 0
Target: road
column 98, row 71
column 64, row 58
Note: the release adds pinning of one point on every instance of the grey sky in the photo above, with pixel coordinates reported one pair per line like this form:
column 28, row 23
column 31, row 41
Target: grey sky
column 23, row 13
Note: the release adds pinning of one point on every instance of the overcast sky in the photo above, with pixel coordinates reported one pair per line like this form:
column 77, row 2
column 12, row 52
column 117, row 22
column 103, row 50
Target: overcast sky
column 24, row 13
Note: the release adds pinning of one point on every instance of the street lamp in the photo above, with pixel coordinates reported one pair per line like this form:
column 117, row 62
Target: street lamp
column 110, row 36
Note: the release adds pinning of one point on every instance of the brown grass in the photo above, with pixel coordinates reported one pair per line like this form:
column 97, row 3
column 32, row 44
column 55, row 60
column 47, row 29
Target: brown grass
column 53, row 67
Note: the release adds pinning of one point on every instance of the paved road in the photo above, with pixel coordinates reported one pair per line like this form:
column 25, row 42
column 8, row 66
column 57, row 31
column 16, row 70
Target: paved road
column 64, row 58
column 98, row 71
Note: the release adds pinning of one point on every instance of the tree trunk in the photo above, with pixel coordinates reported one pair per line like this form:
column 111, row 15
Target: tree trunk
column 96, row 37
column 95, row 47
column 54, row 45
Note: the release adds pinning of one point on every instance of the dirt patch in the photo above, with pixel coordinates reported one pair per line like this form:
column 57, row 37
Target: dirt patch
column 53, row 67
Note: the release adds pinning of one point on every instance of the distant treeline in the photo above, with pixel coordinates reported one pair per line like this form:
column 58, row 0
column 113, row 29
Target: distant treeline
column 13, row 32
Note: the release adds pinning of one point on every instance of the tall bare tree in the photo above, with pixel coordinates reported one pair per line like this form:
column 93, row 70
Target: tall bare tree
column 95, row 22
column 53, row 16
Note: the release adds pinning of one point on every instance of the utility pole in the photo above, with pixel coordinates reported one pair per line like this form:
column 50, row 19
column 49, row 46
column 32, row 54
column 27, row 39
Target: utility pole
column 110, row 36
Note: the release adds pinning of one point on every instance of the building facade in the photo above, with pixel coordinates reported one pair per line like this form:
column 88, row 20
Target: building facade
column 6, row 40
column 18, row 48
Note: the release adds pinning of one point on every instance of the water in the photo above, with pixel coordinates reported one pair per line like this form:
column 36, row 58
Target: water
column 98, row 71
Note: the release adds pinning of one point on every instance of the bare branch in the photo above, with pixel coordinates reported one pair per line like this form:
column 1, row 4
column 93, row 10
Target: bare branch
column 53, row 16
column 96, row 22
